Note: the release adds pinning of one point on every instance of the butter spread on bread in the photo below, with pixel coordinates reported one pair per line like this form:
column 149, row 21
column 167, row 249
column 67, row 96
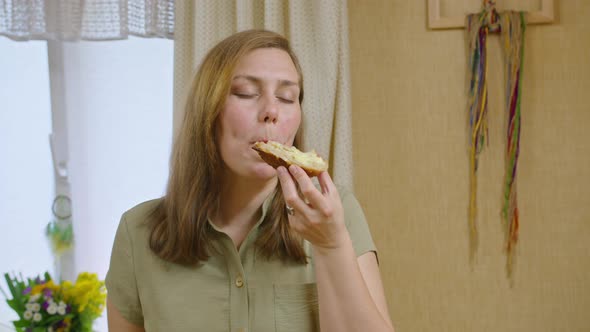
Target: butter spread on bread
column 277, row 154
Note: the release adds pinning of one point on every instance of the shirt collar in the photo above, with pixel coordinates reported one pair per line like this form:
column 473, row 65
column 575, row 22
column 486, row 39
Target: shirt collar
column 265, row 207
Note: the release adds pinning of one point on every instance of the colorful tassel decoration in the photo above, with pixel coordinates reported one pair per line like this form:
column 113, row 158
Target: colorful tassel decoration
column 511, row 26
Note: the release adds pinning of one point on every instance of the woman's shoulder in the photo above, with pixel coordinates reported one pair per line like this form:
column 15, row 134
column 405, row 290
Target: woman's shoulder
column 143, row 209
column 346, row 194
column 135, row 219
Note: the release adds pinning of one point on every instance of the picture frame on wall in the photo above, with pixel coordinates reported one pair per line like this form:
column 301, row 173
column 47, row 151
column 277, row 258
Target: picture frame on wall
column 437, row 20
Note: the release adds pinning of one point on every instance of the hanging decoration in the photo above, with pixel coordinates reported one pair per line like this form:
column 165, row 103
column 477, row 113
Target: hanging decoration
column 511, row 26
column 60, row 231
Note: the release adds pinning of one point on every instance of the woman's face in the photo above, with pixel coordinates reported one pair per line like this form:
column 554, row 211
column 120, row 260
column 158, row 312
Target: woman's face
column 263, row 104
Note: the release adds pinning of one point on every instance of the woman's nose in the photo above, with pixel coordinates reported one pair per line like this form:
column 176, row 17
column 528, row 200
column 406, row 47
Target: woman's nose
column 269, row 110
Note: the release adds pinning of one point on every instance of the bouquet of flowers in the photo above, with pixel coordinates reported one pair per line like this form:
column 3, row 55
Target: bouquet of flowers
column 43, row 305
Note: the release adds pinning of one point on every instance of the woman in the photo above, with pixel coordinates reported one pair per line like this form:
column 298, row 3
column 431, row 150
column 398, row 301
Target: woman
column 222, row 251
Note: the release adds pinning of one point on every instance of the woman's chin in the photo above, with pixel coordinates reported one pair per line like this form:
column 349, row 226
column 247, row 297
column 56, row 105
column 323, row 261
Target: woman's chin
column 264, row 171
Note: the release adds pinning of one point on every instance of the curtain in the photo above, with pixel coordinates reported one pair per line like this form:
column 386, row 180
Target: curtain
column 72, row 20
column 318, row 31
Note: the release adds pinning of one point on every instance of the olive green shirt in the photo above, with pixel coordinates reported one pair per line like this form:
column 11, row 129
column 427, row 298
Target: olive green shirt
column 235, row 290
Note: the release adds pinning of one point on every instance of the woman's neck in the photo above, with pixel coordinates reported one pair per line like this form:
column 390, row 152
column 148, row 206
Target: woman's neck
column 239, row 208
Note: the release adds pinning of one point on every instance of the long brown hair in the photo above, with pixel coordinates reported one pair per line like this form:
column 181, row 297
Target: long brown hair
column 179, row 227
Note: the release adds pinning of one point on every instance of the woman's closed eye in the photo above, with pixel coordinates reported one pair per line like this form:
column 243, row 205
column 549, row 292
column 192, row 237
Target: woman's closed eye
column 286, row 100
column 245, row 95
column 252, row 95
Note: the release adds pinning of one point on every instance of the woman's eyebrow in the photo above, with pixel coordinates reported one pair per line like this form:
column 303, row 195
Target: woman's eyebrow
column 288, row 83
column 253, row 79
column 257, row 80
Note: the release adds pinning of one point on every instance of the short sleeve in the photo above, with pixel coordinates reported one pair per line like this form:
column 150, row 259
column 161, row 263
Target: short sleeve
column 356, row 223
column 121, row 281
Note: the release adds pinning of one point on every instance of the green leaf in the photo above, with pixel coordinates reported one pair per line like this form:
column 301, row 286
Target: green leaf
column 21, row 323
column 53, row 319
column 15, row 305
column 10, row 284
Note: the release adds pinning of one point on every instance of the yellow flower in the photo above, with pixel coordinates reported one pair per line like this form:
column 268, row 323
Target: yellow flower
column 48, row 285
column 87, row 294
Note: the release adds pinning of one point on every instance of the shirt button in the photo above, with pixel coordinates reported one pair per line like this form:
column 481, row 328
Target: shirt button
column 239, row 282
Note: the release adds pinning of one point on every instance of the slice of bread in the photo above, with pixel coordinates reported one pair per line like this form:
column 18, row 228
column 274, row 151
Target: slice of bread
column 277, row 154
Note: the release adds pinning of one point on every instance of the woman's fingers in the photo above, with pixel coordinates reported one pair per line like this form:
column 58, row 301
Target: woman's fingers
column 310, row 192
column 314, row 205
column 318, row 214
column 326, row 183
column 290, row 193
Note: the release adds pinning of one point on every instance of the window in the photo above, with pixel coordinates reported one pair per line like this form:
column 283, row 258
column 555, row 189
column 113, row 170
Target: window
column 118, row 100
column 26, row 174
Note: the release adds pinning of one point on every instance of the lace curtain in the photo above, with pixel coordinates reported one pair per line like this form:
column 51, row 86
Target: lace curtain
column 86, row 19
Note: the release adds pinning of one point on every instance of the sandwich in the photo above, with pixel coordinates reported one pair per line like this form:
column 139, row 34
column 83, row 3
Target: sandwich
column 276, row 154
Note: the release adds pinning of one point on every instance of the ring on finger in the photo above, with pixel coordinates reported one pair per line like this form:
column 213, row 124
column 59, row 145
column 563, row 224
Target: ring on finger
column 290, row 210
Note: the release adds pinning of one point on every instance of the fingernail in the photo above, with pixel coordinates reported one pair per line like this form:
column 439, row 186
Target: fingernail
column 293, row 169
column 281, row 170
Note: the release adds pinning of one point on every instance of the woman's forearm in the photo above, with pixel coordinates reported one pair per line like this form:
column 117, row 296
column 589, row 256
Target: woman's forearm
column 345, row 303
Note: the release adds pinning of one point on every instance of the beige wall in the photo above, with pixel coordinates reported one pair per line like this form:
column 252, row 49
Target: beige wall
column 411, row 172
